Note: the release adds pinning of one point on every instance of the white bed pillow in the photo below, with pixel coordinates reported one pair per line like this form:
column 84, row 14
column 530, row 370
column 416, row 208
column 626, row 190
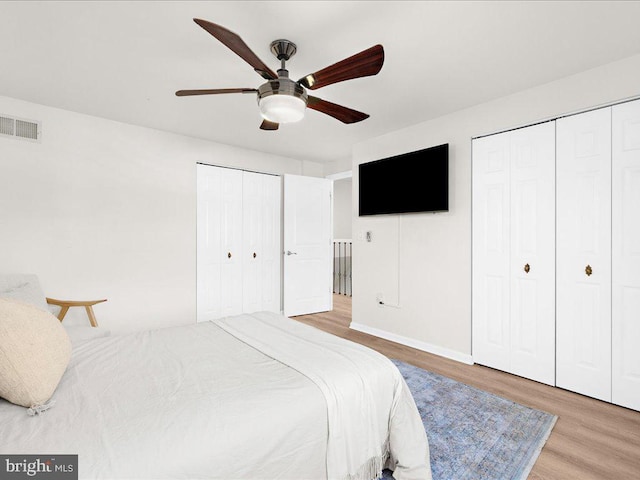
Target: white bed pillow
column 34, row 353
column 24, row 288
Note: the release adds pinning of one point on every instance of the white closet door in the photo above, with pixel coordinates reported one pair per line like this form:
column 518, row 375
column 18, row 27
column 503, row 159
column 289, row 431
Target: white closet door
column 272, row 244
column 584, row 253
column 252, row 233
column 491, row 238
column 513, row 252
column 219, row 232
column 261, row 242
column 626, row 255
column 532, row 245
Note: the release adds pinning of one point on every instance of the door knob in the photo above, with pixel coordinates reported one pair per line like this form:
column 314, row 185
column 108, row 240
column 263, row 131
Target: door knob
column 289, row 252
column 229, row 255
column 588, row 270
column 526, row 268
column 254, row 254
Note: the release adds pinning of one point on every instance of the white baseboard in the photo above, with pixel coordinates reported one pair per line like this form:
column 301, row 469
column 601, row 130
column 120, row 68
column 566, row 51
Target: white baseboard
column 410, row 342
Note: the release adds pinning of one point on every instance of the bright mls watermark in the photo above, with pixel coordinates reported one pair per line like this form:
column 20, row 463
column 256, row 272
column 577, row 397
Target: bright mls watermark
column 45, row 467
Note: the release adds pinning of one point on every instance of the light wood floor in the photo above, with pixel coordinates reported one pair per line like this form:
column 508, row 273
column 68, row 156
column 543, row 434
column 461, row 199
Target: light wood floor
column 591, row 440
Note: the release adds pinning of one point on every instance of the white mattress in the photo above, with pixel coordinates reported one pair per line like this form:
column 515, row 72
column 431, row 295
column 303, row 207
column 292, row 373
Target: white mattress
column 185, row 402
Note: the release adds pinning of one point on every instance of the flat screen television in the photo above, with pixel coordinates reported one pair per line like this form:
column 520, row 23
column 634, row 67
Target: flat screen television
column 408, row 183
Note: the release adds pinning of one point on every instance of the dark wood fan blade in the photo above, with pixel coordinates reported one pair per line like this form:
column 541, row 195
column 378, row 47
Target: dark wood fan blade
column 344, row 114
column 267, row 125
column 237, row 45
column 363, row 64
column 214, row 91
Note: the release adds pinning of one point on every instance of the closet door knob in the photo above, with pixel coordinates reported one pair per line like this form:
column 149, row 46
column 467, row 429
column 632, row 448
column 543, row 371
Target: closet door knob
column 588, row 270
column 526, row 268
column 254, row 255
column 229, row 255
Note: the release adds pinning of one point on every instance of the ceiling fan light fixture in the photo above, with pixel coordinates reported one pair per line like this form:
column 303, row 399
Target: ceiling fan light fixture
column 282, row 101
column 282, row 108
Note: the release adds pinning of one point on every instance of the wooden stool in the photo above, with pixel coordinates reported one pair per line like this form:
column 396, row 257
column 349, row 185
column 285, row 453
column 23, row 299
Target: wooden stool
column 65, row 304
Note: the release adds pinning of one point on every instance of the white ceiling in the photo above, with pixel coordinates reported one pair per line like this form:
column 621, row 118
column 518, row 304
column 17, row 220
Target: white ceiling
column 124, row 60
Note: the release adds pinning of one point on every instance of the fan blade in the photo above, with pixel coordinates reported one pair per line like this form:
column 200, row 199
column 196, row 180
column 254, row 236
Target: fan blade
column 363, row 64
column 237, row 45
column 344, row 114
column 215, row 91
column 267, row 125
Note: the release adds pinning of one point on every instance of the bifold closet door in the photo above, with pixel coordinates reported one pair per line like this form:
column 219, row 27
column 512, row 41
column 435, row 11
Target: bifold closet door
column 238, row 242
column 583, row 316
column 532, row 262
column 261, row 235
column 513, row 252
column 626, row 255
column 491, row 279
column 219, row 242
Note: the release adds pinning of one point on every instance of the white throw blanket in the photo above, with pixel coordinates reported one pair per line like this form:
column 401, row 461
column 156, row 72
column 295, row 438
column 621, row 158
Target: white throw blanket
column 370, row 425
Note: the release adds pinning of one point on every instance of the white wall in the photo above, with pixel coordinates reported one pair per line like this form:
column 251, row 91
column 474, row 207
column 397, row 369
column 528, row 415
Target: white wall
column 342, row 208
column 101, row 209
column 422, row 262
column 337, row 167
column 312, row 169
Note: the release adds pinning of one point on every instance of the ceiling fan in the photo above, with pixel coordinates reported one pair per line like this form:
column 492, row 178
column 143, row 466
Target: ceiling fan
column 282, row 100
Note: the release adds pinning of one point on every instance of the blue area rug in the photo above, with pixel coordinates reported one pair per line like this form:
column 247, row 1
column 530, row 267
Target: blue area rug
column 473, row 434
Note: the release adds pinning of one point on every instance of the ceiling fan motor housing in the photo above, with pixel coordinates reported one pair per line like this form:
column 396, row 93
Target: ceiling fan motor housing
column 282, row 86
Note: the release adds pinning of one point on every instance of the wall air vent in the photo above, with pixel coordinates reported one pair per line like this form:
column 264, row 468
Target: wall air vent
column 20, row 128
column 7, row 126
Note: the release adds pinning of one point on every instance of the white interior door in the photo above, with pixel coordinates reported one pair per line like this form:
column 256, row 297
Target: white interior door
column 583, row 323
column 491, row 239
column 532, row 261
column 626, row 255
column 307, row 245
column 219, row 232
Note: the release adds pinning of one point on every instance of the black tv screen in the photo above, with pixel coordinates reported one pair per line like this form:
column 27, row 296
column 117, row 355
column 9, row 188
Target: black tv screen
column 407, row 183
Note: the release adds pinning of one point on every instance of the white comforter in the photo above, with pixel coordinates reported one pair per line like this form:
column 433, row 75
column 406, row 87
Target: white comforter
column 198, row 402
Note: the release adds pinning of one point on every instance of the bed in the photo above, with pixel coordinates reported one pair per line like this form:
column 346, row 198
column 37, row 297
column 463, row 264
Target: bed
column 255, row 397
